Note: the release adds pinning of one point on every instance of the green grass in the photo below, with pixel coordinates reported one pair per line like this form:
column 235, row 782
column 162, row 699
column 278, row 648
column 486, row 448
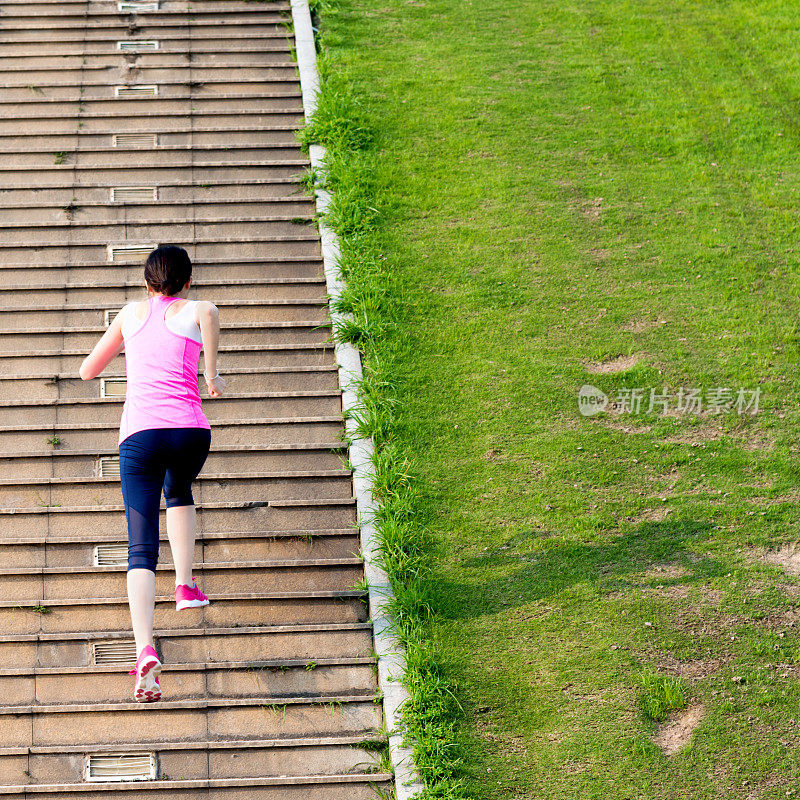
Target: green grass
column 660, row 695
column 526, row 189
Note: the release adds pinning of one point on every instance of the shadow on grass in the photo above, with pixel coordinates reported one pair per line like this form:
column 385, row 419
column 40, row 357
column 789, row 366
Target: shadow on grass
column 560, row 565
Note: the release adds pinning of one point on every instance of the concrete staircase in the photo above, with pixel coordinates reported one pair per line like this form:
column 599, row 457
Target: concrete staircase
column 123, row 126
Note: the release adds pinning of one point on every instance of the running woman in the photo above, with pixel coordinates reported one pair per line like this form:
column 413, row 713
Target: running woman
column 164, row 435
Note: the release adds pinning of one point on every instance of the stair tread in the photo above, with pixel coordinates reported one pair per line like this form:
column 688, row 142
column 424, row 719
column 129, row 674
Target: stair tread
column 194, row 666
column 209, row 744
column 202, row 478
column 164, row 220
column 294, row 627
column 95, row 601
column 181, row 704
column 227, row 448
column 206, row 783
column 199, row 565
column 91, row 537
column 322, row 501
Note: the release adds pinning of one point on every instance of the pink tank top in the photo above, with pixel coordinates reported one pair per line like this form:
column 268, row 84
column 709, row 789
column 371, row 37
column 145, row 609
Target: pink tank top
column 161, row 367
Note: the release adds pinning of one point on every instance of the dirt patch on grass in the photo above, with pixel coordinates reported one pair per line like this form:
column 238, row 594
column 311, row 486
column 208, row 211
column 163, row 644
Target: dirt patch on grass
column 591, row 209
column 787, row 556
column 618, row 364
column 693, row 670
column 614, row 425
column 655, row 514
column 754, row 440
column 707, row 431
column 792, row 497
column 677, row 731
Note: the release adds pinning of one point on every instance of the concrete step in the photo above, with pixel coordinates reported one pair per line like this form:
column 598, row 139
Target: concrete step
column 217, row 516
column 257, row 431
column 46, row 462
column 112, row 214
column 213, row 547
column 17, row 32
column 72, row 271
column 72, row 21
column 71, row 412
column 79, row 315
column 295, row 238
column 271, row 679
column 108, row 616
column 177, row 88
column 34, row 585
column 304, row 642
column 219, row 227
column 207, row 46
column 159, row 156
column 208, row 487
column 314, row 787
column 199, row 760
column 116, row 210
column 53, row 13
column 95, row 59
column 88, row 195
column 116, row 293
column 68, row 175
column 45, row 79
column 300, row 246
column 178, row 720
column 49, row 7
column 175, row 100
column 46, row 73
column 109, row 120
column 238, row 381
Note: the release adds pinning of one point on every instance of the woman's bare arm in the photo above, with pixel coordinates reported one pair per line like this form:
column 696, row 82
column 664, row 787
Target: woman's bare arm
column 111, row 344
column 208, row 319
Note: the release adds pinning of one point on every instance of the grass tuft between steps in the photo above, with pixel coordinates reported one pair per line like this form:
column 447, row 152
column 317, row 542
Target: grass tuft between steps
column 372, row 302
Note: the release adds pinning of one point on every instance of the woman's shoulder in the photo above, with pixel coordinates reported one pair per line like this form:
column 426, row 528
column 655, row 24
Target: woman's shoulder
column 137, row 308
column 205, row 307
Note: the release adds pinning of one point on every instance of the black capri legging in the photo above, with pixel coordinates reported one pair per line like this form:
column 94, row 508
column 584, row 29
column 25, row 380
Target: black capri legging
column 149, row 461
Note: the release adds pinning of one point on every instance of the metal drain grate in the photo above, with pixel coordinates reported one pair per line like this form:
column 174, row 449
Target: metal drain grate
column 141, row 90
column 133, row 194
column 107, row 467
column 121, row 767
column 110, row 555
column 109, row 315
column 132, row 6
column 116, row 651
column 134, row 45
column 113, row 387
column 134, row 139
column 129, row 252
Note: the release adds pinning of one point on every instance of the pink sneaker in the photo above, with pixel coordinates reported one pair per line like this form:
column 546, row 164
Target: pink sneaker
column 189, row 596
column 147, row 670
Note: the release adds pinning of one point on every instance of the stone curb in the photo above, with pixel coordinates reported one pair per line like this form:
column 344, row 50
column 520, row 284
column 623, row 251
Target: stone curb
column 389, row 651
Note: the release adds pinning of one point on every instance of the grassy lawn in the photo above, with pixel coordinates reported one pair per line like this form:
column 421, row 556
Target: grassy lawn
column 606, row 193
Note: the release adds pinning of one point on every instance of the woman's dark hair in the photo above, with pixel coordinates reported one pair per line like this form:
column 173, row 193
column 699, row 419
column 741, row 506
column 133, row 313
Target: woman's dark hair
column 167, row 269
